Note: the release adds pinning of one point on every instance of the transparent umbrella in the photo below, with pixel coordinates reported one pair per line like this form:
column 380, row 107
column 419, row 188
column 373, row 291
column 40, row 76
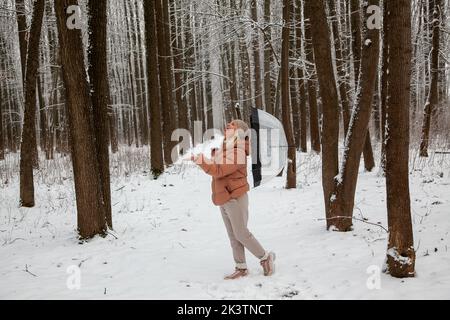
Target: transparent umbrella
column 268, row 147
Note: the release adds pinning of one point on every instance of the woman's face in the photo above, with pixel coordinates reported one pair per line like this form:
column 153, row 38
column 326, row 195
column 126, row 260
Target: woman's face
column 230, row 129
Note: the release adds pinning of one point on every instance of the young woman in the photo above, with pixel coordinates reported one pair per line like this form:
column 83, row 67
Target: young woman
column 228, row 168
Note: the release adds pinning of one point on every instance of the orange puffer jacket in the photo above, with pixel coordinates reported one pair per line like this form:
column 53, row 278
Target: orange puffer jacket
column 228, row 169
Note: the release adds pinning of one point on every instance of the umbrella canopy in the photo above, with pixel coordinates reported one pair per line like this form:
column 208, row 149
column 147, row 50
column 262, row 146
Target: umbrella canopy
column 269, row 147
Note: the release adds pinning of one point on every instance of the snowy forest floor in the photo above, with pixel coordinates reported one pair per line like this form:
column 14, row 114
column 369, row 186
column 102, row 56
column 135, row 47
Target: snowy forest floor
column 169, row 241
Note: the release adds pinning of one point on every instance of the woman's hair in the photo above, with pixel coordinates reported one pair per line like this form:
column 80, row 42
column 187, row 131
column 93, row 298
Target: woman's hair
column 241, row 133
column 240, row 125
column 242, row 129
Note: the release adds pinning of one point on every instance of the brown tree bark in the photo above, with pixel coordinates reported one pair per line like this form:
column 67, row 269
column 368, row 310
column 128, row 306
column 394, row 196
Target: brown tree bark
column 377, row 111
column 291, row 182
column 269, row 87
column 12, row 129
column 3, row 102
column 140, row 83
column 257, row 58
column 53, row 132
column 328, row 91
column 311, row 86
column 369, row 160
column 88, row 187
column 165, row 70
column 342, row 73
column 355, row 15
column 113, row 137
column 42, row 114
column 2, row 139
column 234, row 97
column 23, row 35
column 98, row 75
column 130, row 76
column 355, row 7
column 10, row 104
column 384, row 93
column 341, row 210
column 57, row 96
column 190, row 64
column 178, row 63
column 293, row 81
column 302, row 134
column 400, row 254
column 245, row 79
column 135, row 106
column 28, row 145
column 433, row 93
column 156, row 151
column 23, row 48
column 277, row 106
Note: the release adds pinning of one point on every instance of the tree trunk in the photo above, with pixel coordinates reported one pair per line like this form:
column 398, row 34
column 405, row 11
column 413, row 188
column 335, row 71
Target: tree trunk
column 245, row 73
column 2, row 139
column 400, row 253
column 156, row 151
column 293, row 82
column 112, row 121
column 376, row 111
column 178, row 64
column 28, row 145
column 139, row 65
column 42, row 114
column 234, row 97
column 165, row 70
column 216, row 118
column 384, row 94
column 341, row 67
column 54, row 132
column 268, row 56
column 356, row 37
column 98, row 75
column 257, row 58
column 433, row 94
column 286, row 109
column 343, row 200
column 355, row 6
column 311, row 86
column 302, row 134
column 190, row 64
column 23, row 48
column 88, row 187
column 3, row 100
column 369, row 161
column 22, row 27
column 328, row 91
column 133, row 95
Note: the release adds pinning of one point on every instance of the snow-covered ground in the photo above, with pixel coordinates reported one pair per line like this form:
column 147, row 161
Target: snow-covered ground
column 169, row 241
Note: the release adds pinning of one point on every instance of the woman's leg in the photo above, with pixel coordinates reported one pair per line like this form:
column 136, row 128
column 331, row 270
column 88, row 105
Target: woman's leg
column 238, row 248
column 237, row 213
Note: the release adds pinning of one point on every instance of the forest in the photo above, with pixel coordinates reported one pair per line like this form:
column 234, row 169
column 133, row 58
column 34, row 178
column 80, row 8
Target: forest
column 91, row 92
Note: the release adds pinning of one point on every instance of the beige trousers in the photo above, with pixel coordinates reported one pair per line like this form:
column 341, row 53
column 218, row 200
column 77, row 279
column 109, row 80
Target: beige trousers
column 235, row 216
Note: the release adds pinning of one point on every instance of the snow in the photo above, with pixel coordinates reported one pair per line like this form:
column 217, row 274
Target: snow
column 393, row 252
column 201, row 148
column 169, row 241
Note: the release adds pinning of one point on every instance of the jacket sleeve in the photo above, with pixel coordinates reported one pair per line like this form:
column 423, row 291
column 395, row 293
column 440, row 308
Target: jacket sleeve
column 219, row 170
